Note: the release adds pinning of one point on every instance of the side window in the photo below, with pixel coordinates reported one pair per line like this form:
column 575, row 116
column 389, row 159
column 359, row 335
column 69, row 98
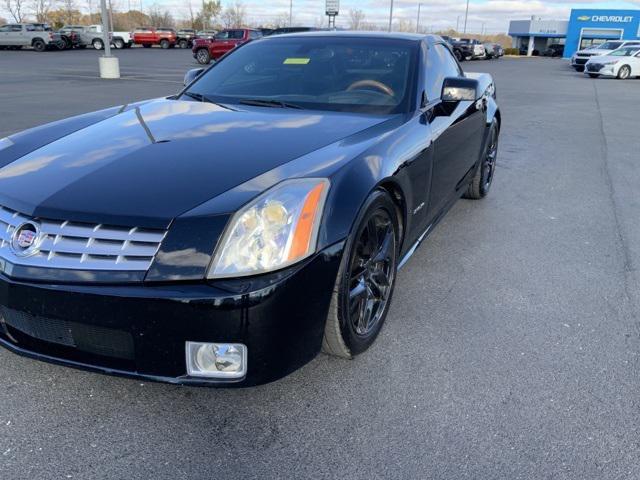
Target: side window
column 451, row 66
column 440, row 65
column 4, row 28
column 254, row 34
column 16, row 28
column 236, row 34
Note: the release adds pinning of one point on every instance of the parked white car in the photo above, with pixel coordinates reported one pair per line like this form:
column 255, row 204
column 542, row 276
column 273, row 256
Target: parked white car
column 622, row 63
column 580, row 58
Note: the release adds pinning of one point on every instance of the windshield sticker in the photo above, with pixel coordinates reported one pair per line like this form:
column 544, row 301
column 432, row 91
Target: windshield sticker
column 296, row 61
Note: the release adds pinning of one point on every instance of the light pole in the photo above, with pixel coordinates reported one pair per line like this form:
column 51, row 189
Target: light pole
column 391, row 16
column 418, row 20
column 109, row 66
column 466, row 16
column 290, row 13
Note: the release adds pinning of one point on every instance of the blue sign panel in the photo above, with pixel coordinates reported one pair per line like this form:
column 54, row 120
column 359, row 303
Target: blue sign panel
column 597, row 25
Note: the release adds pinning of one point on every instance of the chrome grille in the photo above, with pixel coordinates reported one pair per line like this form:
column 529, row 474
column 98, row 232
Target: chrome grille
column 82, row 246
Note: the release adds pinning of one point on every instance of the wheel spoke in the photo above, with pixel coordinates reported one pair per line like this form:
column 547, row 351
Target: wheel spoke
column 384, row 249
column 372, row 236
column 358, row 291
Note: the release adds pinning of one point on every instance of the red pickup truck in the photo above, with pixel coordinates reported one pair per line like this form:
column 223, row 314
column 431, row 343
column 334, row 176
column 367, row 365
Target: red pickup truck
column 206, row 50
column 165, row 37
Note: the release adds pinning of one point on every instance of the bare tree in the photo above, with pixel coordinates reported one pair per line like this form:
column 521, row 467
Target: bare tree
column 41, row 9
column 69, row 7
column 160, row 18
column 14, row 7
column 210, row 10
column 356, row 19
column 234, row 16
column 192, row 17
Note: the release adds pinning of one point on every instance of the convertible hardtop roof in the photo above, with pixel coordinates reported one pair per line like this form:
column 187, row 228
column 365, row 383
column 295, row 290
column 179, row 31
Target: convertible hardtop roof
column 415, row 37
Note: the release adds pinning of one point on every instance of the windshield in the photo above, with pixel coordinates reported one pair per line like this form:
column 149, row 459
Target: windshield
column 321, row 73
column 625, row 52
column 610, row 46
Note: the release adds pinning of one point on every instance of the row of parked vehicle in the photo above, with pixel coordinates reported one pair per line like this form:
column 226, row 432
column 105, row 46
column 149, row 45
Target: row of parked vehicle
column 41, row 37
column 618, row 59
column 471, row 49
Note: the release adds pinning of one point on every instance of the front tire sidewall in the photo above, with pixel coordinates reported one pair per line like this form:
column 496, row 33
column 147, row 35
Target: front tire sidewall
column 97, row 44
column 624, row 72
column 203, row 57
column 354, row 342
column 164, row 44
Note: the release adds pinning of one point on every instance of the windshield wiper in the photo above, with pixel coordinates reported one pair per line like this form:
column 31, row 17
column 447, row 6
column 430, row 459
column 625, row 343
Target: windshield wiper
column 198, row 96
column 258, row 102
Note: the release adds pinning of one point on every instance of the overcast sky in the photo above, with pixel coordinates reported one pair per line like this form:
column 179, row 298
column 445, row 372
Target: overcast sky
column 438, row 14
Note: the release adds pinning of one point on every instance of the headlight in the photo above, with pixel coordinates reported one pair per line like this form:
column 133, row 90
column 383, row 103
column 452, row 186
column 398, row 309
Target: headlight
column 276, row 230
column 613, row 62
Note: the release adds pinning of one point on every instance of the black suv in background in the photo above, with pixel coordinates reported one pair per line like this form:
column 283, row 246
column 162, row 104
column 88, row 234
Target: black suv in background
column 462, row 51
column 554, row 50
column 185, row 37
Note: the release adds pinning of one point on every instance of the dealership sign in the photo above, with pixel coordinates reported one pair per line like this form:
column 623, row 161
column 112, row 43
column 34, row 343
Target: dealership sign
column 606, row 18
column 332, row 7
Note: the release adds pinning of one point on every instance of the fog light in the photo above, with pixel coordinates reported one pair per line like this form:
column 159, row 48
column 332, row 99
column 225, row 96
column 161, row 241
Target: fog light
column 216, row 360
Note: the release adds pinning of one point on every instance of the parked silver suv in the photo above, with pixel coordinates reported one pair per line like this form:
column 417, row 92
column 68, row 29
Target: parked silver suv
column 18, row 35
column 581, row 57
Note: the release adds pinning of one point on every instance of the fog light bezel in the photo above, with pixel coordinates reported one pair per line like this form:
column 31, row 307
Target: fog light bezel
column 191, row 349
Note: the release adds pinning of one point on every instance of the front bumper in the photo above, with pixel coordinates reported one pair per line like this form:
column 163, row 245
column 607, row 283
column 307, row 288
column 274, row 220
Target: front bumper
column 140, row 330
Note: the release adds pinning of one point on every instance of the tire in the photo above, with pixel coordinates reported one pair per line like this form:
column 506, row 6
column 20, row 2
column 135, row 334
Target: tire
column 364, row 286
column 39, row 45
column 594, row 75
column 624, row 72
column 118, row 43
column 164, row 44
column 483, row 178
column 146, row 45
column 97, row 44
column 203, row 56
column 183, row 44
column 458, row 55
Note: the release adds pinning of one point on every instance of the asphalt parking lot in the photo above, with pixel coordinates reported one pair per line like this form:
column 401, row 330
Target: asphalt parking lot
column 511, row 350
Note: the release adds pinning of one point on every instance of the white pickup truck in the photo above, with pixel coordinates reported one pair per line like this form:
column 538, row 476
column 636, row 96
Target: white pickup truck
column 92, row 35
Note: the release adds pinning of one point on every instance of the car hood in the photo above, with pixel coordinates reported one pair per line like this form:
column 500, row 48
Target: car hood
column 147, row 165
column 604, row 58
column 594, row 53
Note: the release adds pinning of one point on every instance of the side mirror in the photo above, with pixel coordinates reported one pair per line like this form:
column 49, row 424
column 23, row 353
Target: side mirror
column 191, row 75
column 458, row 89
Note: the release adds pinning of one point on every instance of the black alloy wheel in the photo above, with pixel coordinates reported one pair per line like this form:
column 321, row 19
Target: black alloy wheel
column 371, row 273
column 365, row 283
column 483, row 178
column 39, row 45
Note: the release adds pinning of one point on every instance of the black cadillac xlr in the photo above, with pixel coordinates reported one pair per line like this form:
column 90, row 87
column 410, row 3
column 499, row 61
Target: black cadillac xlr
column 227, row 234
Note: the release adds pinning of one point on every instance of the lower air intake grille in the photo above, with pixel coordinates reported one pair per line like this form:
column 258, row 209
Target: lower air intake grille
column 87, row 338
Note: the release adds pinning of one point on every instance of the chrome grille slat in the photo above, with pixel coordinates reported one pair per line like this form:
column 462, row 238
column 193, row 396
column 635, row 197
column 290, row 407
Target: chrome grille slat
column 82, row 246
